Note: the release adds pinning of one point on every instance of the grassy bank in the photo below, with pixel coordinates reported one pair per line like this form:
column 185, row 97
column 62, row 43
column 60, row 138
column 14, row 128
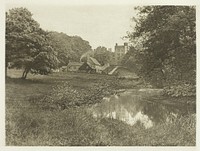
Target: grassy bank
column 75, row 127
column 51, row 110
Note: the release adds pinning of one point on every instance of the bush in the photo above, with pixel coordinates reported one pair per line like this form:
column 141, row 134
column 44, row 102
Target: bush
column 182, row 89
column 65, row 96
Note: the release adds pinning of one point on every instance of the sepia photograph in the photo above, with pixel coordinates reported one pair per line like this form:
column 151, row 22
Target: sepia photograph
column 114, row 74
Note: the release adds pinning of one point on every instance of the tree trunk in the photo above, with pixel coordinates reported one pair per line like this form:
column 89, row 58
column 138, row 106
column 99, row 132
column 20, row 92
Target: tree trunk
column 24, row 75
column 27, row 71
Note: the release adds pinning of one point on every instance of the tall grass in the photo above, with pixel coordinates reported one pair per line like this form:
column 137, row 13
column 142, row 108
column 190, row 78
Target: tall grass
column 76, row 127
column 35, row 116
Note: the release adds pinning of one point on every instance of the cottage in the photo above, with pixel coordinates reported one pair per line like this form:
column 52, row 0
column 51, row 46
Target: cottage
column 91, row 66
column 63, row 68
column 72, row 66
column 86, row 68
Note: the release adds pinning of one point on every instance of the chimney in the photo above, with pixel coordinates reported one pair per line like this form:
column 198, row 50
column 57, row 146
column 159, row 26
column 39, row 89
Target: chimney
column 125, row 44
column 116, row 44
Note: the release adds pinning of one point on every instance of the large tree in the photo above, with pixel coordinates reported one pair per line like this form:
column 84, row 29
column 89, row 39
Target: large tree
column 129, row 60
column 102, row 55
column 27, row 44
column 165, row 40
column 68, row 47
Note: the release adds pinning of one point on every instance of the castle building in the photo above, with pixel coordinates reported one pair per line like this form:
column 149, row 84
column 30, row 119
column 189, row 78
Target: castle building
column 118, row 54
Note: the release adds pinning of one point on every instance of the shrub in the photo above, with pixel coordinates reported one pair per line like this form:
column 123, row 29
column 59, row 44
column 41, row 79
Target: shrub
column 65, row 96
column 181, row 89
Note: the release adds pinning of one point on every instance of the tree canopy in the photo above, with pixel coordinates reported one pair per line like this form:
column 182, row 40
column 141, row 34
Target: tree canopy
column 35, row 50
column 102, row 55
column 68, row 47
column 164, row 39
column 27, row 44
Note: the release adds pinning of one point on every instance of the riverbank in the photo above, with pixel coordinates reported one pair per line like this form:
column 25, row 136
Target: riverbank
column 51, row 110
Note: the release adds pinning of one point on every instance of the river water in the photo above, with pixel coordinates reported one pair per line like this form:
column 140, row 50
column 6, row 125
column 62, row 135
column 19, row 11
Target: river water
column 134, row 106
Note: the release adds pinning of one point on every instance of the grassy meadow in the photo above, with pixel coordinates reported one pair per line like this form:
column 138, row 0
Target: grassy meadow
column 51, row 110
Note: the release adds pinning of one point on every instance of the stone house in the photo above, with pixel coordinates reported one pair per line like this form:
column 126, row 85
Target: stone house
column 73, row 66
column 92, row 66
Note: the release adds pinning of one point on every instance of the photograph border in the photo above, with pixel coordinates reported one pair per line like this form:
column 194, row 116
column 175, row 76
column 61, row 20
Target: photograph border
column 93, row 2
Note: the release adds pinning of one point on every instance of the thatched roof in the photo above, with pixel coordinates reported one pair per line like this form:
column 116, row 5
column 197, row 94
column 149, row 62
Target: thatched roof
column 93, row 61
column 74, row 64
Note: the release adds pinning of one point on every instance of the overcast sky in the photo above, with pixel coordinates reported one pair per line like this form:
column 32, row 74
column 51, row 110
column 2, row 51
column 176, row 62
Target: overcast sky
column 101, row 25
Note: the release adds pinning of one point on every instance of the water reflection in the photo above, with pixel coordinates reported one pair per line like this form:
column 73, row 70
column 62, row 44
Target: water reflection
column 133, row 107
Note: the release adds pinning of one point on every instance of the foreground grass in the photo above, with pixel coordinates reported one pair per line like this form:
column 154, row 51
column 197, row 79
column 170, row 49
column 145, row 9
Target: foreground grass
column 74, row 127
column 51, row 110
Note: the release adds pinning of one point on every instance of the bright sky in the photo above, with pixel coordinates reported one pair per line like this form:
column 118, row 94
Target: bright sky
column 101, row 25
